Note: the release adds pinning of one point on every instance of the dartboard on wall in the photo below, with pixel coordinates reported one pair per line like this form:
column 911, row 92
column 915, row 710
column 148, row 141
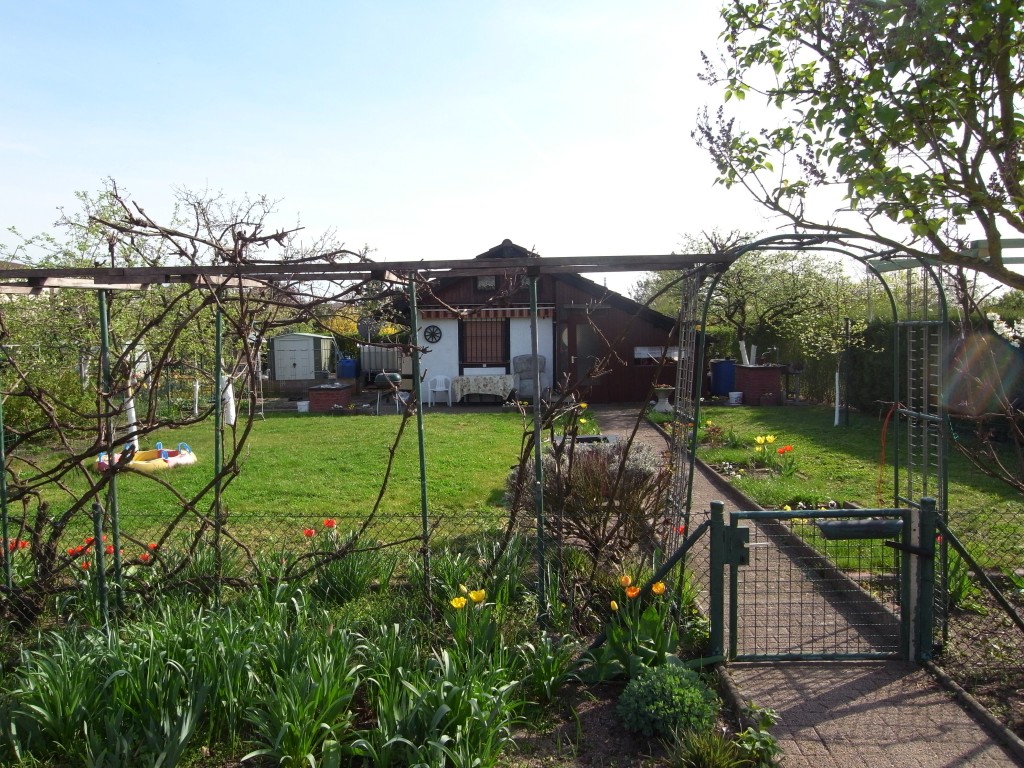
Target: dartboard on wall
column 432, row 334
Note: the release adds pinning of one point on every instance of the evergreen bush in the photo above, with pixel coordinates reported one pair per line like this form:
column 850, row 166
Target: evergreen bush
column 668, row 699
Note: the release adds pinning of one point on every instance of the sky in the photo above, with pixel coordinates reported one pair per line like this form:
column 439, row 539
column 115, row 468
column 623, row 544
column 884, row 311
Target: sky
column 423, row 130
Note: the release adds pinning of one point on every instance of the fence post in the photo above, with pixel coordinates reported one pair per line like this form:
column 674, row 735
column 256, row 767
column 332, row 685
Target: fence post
column 5, row 530
column 907, row 572
column 112, row 501
column 100, row 569
column 717, row 586
column 218, row 446
column 918, row 588
column 538, row 467
column 926, row 580
column 417, row 385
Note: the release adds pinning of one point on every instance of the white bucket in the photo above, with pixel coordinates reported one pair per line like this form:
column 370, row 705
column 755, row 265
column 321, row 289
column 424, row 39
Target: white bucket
column 735, row 398
column 303, row 406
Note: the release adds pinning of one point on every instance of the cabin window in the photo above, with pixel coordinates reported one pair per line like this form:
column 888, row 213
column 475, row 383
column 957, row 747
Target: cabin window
column 652, row 355
column 485, row 341
column 486, row 282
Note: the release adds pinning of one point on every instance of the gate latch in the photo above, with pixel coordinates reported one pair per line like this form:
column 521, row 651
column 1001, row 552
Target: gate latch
column 919, row 551
column 737, row 541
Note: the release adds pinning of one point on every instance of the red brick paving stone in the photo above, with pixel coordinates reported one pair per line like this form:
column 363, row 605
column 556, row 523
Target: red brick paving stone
column 846, row 714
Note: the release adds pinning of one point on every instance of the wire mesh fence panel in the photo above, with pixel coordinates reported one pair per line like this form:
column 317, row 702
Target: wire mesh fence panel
column 984, row 601
column 803, row 595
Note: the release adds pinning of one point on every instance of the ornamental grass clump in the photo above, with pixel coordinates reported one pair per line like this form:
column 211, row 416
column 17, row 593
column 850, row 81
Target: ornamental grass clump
column 705, row 749
column 348, row 568
column 663, row 701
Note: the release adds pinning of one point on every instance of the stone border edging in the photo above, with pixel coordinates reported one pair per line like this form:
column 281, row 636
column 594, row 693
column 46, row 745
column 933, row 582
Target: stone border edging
column 990, row 722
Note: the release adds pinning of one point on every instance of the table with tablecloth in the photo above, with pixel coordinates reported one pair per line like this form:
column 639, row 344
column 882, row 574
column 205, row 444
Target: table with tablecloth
column 484, row 384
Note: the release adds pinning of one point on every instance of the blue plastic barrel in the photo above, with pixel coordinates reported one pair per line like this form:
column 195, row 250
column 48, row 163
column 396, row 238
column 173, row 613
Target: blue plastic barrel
column 723, row 377
column 346, row 368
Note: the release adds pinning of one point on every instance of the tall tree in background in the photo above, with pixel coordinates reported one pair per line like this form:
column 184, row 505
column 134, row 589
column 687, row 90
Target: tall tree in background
column 796, row 301
column 914, row 107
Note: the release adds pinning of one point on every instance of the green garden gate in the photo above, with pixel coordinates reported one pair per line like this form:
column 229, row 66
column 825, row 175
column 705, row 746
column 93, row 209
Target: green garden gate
column 822, row 584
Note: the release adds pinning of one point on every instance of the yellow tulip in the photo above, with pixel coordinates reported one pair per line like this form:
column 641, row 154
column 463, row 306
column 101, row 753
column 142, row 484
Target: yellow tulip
column 759, row 439
column 658, row 588
column 614, row 605
column 625, row 581
column 769, row 438
column 458, row 602
column 477, row 595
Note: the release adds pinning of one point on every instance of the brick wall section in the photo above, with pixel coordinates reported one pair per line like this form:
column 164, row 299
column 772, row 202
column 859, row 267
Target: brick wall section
column 323, row 399
column 760, row 384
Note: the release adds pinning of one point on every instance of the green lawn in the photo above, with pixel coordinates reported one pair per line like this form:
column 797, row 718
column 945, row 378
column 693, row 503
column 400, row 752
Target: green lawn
column 297, row 470
column 839, row 463
column 842, row 464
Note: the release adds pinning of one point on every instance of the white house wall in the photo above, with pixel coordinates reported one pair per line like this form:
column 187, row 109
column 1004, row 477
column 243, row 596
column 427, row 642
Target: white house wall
column 442, row 357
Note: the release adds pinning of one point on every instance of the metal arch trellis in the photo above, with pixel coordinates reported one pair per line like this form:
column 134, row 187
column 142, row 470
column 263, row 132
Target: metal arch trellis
column 920, row 336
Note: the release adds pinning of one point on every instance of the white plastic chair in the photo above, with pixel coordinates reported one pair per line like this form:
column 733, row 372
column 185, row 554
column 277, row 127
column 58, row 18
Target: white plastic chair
column 440, row 384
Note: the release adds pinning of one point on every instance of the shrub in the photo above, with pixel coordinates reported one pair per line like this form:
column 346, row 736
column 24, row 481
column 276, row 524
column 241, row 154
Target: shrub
column 597, row 496
column 756, row 744
column 661, row 701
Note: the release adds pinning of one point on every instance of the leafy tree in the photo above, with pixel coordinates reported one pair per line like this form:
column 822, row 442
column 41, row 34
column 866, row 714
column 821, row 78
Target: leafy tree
column 914, row 108
column 60, row 418
column 795, row 301
column 1009, row 306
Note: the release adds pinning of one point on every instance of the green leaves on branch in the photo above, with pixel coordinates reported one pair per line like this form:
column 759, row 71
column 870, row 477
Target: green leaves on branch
column 910, row 106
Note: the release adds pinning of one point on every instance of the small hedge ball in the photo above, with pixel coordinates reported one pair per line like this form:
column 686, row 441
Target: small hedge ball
column 667, row 699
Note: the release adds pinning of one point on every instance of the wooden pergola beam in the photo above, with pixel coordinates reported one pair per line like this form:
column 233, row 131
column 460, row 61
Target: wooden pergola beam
column 266, row 275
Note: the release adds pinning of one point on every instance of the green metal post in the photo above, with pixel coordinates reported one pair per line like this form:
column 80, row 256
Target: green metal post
column 4, row 522
column 926, row 576
column 218, row 451
column 717, row 591
column 734, row 587
column 907, row 598
column 100, row 570
column 848, row 364
column 538, row 459
column 418, row 392
column 112, row 503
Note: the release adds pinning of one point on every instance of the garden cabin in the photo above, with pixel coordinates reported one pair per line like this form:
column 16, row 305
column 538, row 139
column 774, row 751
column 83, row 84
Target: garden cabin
column 480, row 326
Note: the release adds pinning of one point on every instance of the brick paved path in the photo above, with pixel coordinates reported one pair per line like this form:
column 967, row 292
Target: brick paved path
column 841, row 714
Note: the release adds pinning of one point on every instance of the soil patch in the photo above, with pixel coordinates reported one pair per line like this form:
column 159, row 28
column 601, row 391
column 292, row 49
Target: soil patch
column 585, row 730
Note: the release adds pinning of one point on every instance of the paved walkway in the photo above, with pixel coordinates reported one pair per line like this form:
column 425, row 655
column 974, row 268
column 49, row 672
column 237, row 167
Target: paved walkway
column 842, row 714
